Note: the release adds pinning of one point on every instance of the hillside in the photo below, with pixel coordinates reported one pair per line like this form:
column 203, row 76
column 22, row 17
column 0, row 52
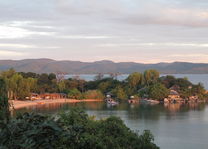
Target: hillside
column 77, row 67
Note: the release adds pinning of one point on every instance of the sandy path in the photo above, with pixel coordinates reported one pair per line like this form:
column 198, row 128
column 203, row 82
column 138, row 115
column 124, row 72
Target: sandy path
column 17, row 104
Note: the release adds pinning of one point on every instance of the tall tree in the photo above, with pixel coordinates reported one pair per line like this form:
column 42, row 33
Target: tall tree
column 4, row 104
column 151, row 76
column 134, row 79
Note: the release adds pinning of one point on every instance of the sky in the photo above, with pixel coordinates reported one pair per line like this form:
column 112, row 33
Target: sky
column 144, row 31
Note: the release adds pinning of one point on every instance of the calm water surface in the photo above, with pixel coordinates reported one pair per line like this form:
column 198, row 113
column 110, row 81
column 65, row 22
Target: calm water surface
column 174, row 126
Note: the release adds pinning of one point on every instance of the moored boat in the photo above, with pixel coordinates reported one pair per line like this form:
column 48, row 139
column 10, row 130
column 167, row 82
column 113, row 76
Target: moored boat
column 149, row 101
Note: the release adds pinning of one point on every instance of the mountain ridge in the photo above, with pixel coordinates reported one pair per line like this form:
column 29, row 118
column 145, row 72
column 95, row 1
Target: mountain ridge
column 44, row 65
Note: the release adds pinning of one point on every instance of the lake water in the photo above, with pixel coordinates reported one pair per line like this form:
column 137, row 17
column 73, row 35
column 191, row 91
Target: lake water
column 174, row 126
column 194, row 78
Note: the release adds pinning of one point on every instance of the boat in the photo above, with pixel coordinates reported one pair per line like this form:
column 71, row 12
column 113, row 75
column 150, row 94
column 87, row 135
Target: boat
column 149, row 101
column 111, row 102
column 133, row 100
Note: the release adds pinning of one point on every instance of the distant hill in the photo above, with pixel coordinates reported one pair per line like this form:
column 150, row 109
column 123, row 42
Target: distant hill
column 77, row 67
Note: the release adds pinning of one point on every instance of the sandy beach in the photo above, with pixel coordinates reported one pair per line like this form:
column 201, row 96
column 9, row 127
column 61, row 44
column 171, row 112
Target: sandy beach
column 18, row 104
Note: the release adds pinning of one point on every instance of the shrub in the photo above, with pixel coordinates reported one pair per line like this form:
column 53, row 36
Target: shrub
column 158, row 91
column 71, row 130
column 75, row 94
column 93, row 94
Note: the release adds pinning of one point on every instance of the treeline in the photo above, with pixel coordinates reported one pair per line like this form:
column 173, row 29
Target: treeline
column 148, row 85
column 142, row 85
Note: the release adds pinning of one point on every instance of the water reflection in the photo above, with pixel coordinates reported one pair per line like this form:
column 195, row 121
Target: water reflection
column 133, row 111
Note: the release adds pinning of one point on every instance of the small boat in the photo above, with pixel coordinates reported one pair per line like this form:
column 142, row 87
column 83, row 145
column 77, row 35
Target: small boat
column 133, row 100
column 111, row 102
column 149, row 101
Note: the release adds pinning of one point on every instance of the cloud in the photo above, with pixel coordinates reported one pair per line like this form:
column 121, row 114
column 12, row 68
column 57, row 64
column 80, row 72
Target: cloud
column 25, row 46
column 10, row 31
column 194, row 57
column 7, row 53
column 84, row 37
column 168, row 16
column 16, row 45
column 150, row 44
column 139, row 12
column 120, row 30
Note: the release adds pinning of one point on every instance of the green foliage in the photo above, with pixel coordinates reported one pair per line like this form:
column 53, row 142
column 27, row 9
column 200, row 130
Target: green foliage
column 74, row 94
column 47, row 83
column 158, row 91
column 17, row 86
column 93, row 94
column 168, row 81
column 134, row 80
column 119, row 93
column 30, row 131
column 71, row 130
column 62, row 86
column 4, row 104
column 29, row 75
column 104, row 86
column 20, row 85
column 184, row 87
column 183, row 83
column 151, row 76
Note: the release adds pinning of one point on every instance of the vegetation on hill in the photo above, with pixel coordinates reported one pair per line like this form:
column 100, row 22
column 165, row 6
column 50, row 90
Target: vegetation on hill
column 77, row 67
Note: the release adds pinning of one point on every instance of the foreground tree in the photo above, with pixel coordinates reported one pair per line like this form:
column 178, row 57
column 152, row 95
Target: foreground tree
column 72, row 130
column 4, row 104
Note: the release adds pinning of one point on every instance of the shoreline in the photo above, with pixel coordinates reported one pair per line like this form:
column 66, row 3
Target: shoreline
column 18, row 104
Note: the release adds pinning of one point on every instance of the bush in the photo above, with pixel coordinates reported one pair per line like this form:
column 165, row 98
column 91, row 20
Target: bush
column 75, row 94
column 158, row 91
column 119, row 93
column 29, row 131
column 93, row 94
column 71, row 130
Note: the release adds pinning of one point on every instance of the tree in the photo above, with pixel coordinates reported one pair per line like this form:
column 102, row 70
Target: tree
column 168, row 81
column 16, row 84
column 119, row 93
column 8, row 74
column 72, row 130
column 52, row 76
column 183, row 83
column 47, row 83
column 29, row 74
column 4, row 104
column 74, row 94
column 104, row 86
column 158, row 91
column 93, row 94
column 134, row 80
column 62, row 86
column 151, row 76
column 99, row 76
